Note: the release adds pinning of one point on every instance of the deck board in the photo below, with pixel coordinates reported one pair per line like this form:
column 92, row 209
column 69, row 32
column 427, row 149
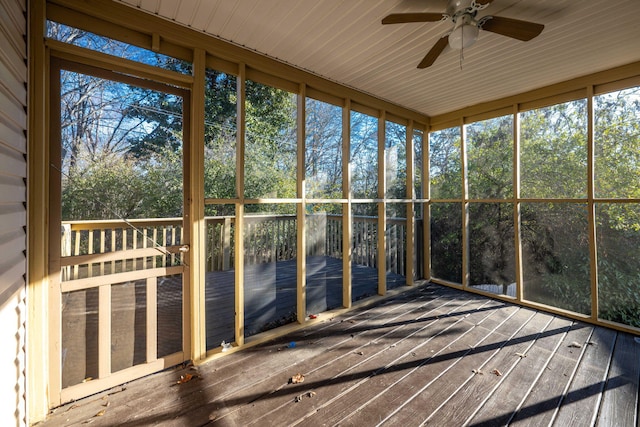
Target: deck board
column 620, row 399
column 540, row 406
column 408, row 360
column 582, row 399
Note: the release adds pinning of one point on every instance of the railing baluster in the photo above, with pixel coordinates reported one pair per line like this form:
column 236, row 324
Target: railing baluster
column 102, row 249
column 154, row 233
column 164, row 243
column 226, row 244
column 90, row 251
column 76, row 251
column 113, row 249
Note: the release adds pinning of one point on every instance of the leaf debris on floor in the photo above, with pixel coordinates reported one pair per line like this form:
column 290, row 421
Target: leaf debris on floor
column 296, row 379
column 186, row 378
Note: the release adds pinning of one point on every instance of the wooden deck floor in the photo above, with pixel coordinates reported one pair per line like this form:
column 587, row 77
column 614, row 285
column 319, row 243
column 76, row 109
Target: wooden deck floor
column 429, row 356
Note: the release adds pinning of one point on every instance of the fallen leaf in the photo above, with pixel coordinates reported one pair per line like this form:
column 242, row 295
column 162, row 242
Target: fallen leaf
column 87, row 379
column 359, row 353
column 592, row 343
column 477, row 371
column 311, row 393
column 521, row 355
column 106, row 404
column 296, row 379
column 101, row 413
column 496, row 373
column 186, row 378
column 298, row 398
column 74, row 406
column 575, row 345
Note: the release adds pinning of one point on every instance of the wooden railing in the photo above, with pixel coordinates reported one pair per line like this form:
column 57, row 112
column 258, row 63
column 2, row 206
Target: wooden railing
column 153, row 243
column 96, row 248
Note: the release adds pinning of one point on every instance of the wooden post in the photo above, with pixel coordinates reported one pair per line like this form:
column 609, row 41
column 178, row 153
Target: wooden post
column 239, row 234
column 347, row 230
column 301, row 242
column 194, row 225
column 409, row 270
column 382, row 212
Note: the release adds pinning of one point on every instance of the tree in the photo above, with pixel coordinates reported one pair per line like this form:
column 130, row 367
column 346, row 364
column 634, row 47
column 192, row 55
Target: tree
column 270, row 142
column 323, row 145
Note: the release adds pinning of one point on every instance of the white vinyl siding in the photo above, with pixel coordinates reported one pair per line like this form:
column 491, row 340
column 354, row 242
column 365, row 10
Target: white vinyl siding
column 13, row 172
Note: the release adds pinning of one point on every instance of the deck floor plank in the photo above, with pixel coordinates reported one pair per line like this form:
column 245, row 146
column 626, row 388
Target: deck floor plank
column 408, row 359
column 541, row 404
column 580, row 405
column 620, row 399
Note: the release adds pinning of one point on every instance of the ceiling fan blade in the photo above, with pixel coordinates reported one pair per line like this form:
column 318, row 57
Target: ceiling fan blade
column 514, row 28
column 401, row 18
column 435, row 51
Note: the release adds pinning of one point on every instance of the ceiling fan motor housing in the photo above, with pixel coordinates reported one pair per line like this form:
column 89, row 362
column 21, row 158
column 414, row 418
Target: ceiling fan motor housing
column 465, row 32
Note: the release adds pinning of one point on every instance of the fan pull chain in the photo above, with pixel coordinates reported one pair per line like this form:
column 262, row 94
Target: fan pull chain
column 462, row 50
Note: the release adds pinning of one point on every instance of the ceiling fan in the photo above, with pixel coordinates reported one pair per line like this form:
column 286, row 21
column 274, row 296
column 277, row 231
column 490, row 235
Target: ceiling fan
column 466, row 27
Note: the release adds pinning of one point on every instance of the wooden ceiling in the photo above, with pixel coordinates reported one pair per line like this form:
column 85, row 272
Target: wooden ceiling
column 344, row 41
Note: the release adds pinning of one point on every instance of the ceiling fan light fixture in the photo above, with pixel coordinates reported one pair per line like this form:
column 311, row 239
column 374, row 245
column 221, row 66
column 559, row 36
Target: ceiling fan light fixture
column 463, row 36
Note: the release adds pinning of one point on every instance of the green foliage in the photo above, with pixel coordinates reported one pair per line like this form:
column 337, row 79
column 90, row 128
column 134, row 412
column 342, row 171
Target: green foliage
column 271, row 148
column 164, row 111
column 555, row 238
column 446, row 241
column 125, row 187
column 617, row 144
column 445, row 164
column 553, row 153
column 220, row 135
column 490, row 158
column 491, row 244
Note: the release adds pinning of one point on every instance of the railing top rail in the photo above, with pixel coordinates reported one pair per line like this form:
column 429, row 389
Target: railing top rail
column 121, row 223
column 143, row 222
